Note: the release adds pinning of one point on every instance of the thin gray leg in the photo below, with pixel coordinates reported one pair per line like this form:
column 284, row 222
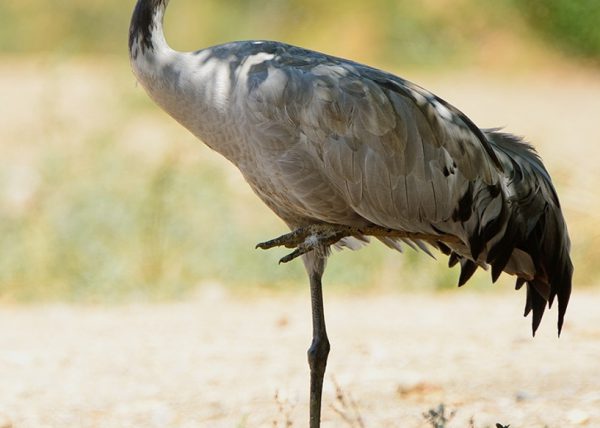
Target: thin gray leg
column 319, row 348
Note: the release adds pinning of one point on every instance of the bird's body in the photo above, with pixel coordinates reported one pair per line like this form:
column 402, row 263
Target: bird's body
column 330, row 142
column 317, row 137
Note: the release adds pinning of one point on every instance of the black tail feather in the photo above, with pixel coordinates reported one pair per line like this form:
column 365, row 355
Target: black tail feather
column 453, row 259
column 534, row 303
column 535, row 225
column 467, row 269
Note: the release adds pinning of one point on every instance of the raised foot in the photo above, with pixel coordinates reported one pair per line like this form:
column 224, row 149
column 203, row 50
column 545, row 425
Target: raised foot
column 307, row 238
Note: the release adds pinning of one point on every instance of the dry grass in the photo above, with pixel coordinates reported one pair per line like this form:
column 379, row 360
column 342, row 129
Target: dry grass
column 347, row 407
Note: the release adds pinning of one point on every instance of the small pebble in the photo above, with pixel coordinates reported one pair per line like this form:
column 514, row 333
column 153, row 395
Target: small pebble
column 521, row 396
column 578, row 417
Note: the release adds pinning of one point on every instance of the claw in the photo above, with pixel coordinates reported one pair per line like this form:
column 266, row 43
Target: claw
column 294, row 254
column 289, row 240
column 324, row 236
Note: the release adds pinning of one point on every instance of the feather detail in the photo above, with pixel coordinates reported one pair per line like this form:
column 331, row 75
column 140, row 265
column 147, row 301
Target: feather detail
column 467, row 269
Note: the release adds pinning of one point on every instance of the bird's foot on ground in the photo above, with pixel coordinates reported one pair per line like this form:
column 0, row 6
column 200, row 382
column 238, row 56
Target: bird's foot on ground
column 307, row 238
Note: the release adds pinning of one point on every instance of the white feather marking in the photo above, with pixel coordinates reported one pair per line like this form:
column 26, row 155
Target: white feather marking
column 419, row 98
column 244, row 69
column 222, row 85
column 442, row 110
column 215, row 71
column 509, row 190
column 329, row 70
column 311, row 240
column 255, row 59
column 202, row 55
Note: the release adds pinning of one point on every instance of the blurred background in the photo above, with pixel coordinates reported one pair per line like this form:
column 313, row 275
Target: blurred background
column 104, row 197
column 130, row 291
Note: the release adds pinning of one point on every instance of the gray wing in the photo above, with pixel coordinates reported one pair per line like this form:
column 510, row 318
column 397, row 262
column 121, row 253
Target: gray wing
column 345, row 138
column 394, row 153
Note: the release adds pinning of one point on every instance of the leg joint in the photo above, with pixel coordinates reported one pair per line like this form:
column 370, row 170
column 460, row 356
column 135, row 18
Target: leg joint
column 317, row 354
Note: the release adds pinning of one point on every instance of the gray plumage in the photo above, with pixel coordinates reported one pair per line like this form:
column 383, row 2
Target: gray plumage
column 324, row 140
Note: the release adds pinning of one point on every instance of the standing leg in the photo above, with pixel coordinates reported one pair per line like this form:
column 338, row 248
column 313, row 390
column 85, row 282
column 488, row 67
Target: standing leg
column 319, row 348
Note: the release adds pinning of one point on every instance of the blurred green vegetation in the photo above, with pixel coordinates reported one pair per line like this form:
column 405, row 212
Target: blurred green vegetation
column 573, row 24
column 389, row 32
column 104, row 198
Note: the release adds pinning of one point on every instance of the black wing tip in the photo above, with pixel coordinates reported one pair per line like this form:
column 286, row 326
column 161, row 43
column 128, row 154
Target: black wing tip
column 536, row 300
column 535, row 225
column 564, row 294
column 453, row 259
column 467, row 269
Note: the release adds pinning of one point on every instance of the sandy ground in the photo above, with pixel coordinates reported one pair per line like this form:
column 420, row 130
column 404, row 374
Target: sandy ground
column 219, row 361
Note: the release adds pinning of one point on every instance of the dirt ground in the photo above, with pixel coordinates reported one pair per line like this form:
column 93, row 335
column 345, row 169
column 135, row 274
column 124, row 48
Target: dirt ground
column 220, row 361
column 224, row 361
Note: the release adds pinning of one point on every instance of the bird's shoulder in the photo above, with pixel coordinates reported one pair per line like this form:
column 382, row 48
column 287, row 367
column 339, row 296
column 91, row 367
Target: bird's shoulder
column 332, row 101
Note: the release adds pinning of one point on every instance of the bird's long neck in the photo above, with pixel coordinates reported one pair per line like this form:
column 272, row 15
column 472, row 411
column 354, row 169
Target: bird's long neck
column 193, row 87
column 146, row 29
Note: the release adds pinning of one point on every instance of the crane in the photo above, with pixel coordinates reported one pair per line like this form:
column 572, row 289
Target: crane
column 342, row 152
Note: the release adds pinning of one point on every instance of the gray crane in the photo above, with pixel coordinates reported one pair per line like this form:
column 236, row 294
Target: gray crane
column 341, row 152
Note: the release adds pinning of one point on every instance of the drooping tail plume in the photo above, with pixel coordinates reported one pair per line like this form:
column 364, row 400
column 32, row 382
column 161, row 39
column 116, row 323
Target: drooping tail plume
column 538, row 229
